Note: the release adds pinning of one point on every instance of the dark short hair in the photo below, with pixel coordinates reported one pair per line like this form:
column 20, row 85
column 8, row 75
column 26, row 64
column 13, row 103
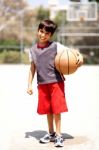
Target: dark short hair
column 48, row 25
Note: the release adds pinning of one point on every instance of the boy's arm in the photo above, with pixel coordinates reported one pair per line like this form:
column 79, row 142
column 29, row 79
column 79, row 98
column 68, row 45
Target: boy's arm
column 30, row 78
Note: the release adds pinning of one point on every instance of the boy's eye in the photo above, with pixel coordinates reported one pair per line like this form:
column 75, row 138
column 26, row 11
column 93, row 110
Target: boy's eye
column 47, row 33
column 41, row 31
column 44, row 32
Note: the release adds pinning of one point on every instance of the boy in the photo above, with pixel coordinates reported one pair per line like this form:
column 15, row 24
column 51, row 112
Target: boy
column 51, row 95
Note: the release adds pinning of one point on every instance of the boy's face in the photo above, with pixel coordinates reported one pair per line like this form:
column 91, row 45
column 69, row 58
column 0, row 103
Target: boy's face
column 43, row 36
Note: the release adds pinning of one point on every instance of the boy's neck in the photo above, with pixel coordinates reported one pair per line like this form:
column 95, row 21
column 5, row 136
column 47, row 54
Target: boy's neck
column 43, row 45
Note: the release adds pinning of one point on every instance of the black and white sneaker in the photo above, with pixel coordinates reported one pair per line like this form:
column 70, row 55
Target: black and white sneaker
column 59, row 141
column 49, row 137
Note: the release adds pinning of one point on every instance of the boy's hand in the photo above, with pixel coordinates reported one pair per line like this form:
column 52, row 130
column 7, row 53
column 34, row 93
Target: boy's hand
column 29, row 90
column 79, row 59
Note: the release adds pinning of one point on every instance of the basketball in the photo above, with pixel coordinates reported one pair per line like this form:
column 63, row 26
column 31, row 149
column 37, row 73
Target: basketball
column 66, row 61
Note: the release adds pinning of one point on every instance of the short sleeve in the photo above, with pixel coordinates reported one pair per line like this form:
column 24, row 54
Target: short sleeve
column 61, row 47
column 31, row 55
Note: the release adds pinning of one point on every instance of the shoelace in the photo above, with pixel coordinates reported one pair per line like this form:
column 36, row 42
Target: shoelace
column 47, row 135
column 59, row 139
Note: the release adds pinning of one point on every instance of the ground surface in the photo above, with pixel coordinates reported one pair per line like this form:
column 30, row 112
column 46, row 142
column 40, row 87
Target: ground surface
column 20, row 125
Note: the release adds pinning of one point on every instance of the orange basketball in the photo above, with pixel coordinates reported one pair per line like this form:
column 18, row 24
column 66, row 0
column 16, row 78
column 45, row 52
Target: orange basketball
column 66, row 61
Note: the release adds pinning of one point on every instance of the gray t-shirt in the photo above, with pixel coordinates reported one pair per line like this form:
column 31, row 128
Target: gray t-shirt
column 44, row 62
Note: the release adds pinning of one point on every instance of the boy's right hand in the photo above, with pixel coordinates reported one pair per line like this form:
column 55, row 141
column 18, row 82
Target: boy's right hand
column 29, row 90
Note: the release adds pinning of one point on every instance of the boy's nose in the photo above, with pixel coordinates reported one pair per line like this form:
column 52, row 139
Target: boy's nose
column 43, row 34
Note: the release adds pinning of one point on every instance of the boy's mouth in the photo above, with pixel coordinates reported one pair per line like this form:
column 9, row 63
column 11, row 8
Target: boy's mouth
column 42, row 38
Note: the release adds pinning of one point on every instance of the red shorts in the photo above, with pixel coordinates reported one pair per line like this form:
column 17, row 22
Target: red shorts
column 51, row 98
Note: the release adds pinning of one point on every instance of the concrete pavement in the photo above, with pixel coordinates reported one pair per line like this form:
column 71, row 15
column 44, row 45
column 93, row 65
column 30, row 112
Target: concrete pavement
column 20, row 125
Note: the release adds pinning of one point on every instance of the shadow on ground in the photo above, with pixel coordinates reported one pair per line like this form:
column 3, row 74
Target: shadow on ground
column 39, row 134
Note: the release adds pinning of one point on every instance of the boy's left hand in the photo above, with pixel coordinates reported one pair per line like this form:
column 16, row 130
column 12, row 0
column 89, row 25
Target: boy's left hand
column 79, row 58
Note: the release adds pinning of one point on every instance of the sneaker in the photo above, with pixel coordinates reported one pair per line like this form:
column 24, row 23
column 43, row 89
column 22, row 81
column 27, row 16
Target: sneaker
column 59, row 141
column 49, row 137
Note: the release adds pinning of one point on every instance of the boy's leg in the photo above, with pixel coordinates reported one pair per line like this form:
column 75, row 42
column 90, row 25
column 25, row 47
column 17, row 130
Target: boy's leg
column 58, row 123
column 58, row 139
column 50, row 123
column 49, row 137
